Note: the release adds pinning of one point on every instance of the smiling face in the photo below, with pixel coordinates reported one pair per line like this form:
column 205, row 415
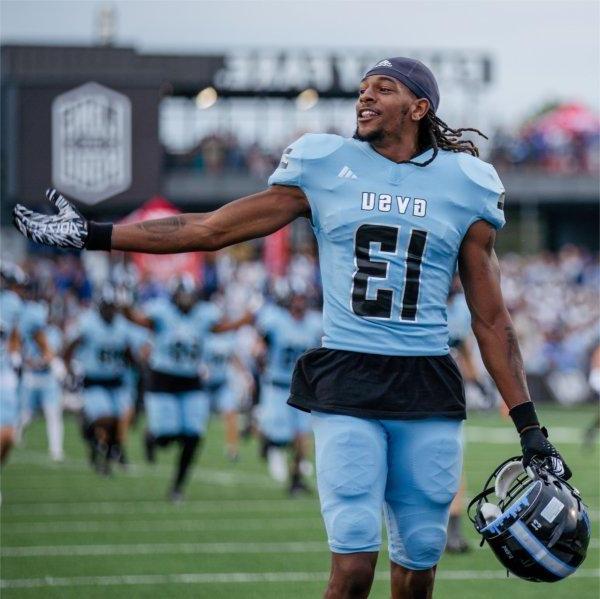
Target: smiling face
column 387, row 110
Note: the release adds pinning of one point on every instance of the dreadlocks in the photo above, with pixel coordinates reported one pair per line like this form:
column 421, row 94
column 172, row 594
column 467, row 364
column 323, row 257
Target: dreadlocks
column 434, row 133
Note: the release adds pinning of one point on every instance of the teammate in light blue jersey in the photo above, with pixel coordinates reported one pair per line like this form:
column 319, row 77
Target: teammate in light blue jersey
column 177, row 404
column 40, row 387
column 225, row 375
column 394, row 211
column 100, row 342
column 11, row 306
column 288, row 332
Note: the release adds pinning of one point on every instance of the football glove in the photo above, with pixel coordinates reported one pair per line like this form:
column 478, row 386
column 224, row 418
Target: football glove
column 535, row 444
column 67, row 229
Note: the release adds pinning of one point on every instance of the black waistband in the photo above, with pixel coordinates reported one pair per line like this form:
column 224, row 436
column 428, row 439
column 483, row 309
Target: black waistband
column 163, row 382
column 90, row 381
column 377, row 386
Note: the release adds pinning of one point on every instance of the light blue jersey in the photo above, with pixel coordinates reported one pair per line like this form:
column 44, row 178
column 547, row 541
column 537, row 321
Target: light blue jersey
column 388, row 236
column 10, row 310
column 55, row 338
column 459, row 318
column 33, row 319
column 287, row 339
column 103, row 345
column 218, row 352
column 179, row 337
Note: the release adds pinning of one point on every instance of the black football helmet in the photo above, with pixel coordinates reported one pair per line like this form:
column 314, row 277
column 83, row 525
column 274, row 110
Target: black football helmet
column 538, row 527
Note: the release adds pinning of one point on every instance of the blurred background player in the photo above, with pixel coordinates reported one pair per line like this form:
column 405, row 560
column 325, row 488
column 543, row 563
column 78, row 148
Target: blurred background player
column 288, row 331
column 43, row 370
column 591, row 433
column 101, row 344
column 224, row 384
column 177, row 405
column 460, row 342
column 10, row 357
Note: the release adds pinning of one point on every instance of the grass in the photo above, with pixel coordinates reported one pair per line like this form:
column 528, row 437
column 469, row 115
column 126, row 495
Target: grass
column 68, row 533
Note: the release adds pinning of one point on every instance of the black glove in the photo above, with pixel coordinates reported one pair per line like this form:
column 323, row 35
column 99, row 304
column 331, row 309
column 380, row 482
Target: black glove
column 534, row 440
column 67, row 229
column 534, row 443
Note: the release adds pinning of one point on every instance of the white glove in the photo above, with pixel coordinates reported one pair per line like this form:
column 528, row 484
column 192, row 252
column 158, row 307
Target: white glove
column 67, row 229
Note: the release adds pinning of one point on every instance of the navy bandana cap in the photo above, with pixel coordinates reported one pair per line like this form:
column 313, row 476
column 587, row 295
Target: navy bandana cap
column 413, row 74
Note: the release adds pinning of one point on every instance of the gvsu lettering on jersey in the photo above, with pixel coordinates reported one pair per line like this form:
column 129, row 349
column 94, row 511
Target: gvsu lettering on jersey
column 384, row 202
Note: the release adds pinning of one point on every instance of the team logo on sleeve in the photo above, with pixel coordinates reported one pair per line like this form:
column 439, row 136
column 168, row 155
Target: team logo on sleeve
column 284, row 158
column 500, row 205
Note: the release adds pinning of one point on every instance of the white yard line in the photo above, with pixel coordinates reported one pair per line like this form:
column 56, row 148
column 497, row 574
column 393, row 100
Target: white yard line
column 237, row 578
column 163, row 549
column 175, row 549
column 133, row 506
column 85, row 526
column 161, row 507
column 30, row 457
column 507, row 435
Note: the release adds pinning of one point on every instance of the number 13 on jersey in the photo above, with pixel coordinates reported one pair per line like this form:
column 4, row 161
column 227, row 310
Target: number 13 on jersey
column 366, row 268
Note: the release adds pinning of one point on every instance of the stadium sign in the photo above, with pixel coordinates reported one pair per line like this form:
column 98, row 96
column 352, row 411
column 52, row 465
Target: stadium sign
column 250, row 71
column 91, row 143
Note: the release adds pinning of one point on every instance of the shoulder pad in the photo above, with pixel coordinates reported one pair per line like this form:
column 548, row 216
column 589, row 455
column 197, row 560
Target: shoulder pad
column 317, row 145
column 479, row 172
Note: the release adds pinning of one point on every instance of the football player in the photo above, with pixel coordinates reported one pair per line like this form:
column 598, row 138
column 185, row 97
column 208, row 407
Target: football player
column 288, row 332
column 591, row 432
column 224, row 384
column 42, row 370
column 10, row 357
column 394, row 210
column 100, row 341
column 177, row 405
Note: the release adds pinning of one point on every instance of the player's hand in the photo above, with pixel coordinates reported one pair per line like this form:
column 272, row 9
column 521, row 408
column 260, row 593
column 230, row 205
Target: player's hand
column 67, row 229
column 534, row 443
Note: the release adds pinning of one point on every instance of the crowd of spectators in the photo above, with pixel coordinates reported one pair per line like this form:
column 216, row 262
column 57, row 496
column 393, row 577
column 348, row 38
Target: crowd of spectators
column 220, row 153
column 554, row 302
column 564, row 139
column 556, row 152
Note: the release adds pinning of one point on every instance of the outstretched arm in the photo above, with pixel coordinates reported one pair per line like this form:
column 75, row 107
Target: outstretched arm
column 497, row 340
column 247, row 218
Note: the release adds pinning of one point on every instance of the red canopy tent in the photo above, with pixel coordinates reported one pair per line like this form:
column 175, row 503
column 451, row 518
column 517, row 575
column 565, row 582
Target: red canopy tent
column 573, row 118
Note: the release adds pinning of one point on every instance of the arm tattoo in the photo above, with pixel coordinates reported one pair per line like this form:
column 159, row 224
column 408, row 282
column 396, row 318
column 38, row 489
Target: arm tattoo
column 514, row 357
column 163, row 226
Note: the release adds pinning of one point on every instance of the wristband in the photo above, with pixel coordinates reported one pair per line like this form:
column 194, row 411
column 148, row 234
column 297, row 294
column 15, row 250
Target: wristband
column 524, row 416
column 99, row 236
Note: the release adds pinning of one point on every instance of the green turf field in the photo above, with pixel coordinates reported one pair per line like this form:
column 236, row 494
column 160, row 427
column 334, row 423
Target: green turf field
column 67, row 533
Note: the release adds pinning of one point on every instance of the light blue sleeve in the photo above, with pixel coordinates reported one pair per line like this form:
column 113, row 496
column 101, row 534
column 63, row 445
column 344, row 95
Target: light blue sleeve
column 486, row 192
column 10, row 309
column 137, row 336
column 207, row 315
column 267, row 319
column 300, row 166
column 55, row 338
column 289, row 171
column 34, row 318
column 157, row 310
